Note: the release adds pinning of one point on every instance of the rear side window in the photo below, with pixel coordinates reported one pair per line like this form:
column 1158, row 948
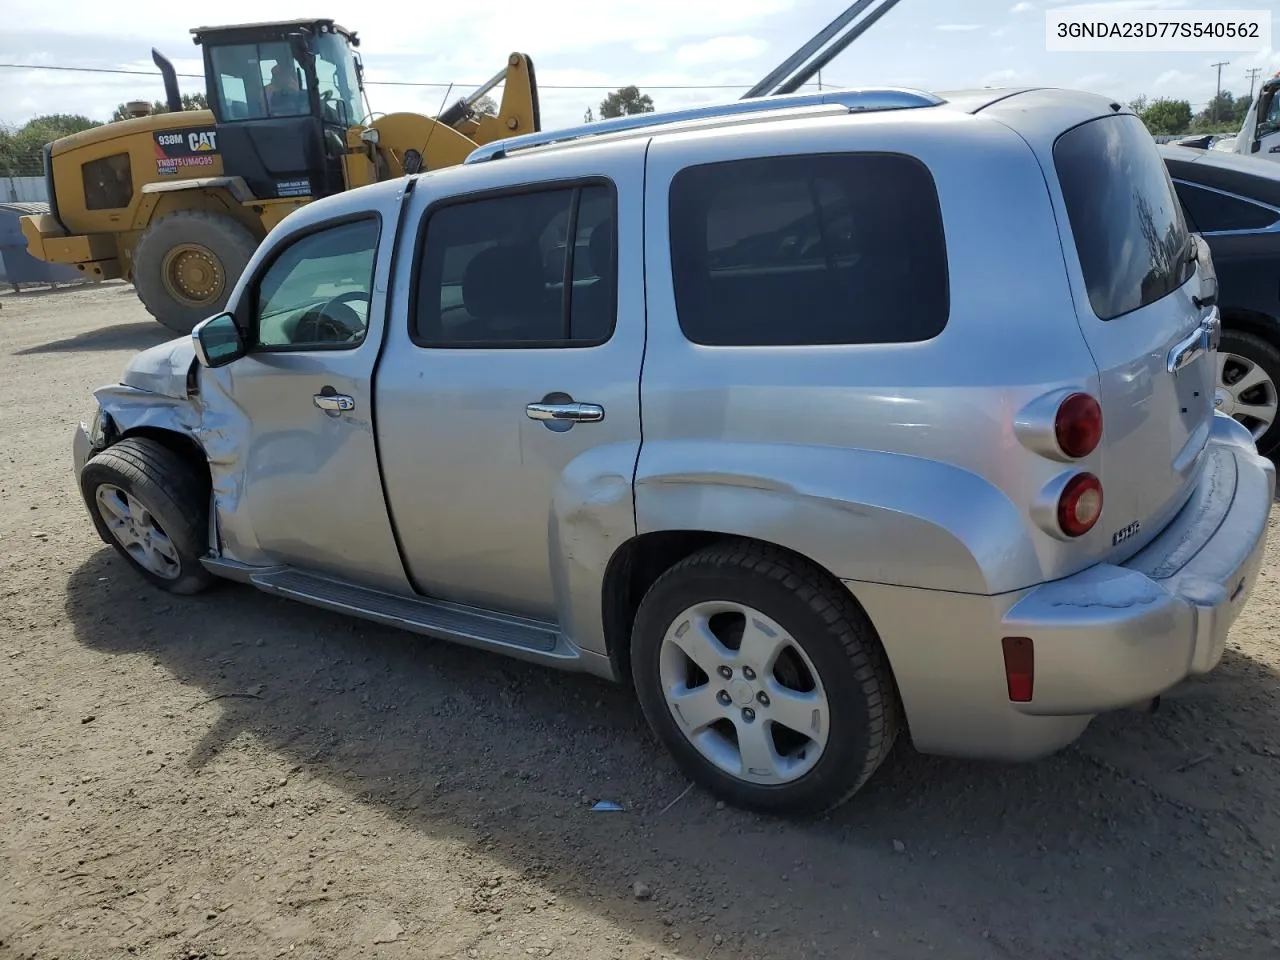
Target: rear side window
column 828, row 249
column 1211, row 211
column 1128, row 225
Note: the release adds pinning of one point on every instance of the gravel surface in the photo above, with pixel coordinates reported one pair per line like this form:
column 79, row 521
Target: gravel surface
column 237, row 775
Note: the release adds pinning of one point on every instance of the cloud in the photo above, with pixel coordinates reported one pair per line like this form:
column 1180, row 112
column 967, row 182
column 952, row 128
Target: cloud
column 999, row 78
column 1022, row 7
column 1091, row 81
column 958, row 27
column 720, row 50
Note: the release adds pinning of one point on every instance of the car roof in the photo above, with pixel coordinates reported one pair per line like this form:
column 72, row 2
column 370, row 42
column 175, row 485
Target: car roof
column 1250, row 177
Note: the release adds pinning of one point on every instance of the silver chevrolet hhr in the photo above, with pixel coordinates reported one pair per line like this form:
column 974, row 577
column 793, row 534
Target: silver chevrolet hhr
column 817, row 419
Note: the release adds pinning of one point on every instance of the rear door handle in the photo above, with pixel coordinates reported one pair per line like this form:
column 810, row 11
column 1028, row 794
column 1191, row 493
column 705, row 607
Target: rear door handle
column 575, row 412
column 339, row 402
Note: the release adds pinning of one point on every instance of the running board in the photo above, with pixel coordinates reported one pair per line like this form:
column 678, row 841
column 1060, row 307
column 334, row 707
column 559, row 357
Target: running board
column 503, row 633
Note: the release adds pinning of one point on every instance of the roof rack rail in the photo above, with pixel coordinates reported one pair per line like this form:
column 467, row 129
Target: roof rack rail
column 854, row 100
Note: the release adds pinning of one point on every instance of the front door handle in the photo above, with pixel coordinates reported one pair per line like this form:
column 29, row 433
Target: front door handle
column 575, row 412
column 338, row 402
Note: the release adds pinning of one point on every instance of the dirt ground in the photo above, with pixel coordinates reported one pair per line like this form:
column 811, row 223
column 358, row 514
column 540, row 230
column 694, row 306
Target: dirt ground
column 236, row 775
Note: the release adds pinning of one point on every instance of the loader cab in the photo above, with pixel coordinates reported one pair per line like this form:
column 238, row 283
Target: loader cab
column 283, row 95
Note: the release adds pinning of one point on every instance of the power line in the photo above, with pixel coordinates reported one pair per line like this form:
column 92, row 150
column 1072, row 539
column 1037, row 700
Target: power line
column 1214, row 109
column 1253, row 77
column 400, row 83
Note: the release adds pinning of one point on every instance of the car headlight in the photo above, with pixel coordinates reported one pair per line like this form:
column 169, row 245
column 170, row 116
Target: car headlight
column 97, row 429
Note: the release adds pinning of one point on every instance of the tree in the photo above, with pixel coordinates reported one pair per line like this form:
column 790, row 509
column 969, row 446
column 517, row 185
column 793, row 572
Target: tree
column 625, row 101
column 486, row 105
column 20, row 150
column 1139, row 104
column 1165, row 116
column 588, row 117
column 190, row 101
column 1223, row 114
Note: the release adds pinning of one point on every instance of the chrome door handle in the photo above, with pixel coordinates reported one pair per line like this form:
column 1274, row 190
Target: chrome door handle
column 576, row 412
column 1204, row 339
column 334, row 401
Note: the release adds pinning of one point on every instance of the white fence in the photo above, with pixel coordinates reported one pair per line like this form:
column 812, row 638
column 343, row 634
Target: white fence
column 23, row 190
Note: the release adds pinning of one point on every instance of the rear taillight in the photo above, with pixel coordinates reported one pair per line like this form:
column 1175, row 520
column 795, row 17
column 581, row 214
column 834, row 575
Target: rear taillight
column 1019, row 668
column 1080, row 504
column 1078, row 425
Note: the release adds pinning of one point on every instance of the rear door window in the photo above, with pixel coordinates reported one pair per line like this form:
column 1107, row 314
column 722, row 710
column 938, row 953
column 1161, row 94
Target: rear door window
column 809, row 249
column 1212, row 211
column 1128, row 225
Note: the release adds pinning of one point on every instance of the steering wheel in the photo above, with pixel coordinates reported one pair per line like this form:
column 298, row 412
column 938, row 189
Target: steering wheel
column 334, row 322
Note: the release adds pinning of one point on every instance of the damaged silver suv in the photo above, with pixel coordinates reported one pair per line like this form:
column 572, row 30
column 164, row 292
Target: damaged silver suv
column 815, row 418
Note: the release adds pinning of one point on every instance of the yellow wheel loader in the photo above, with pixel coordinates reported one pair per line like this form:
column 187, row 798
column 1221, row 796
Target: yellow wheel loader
column 177, row 202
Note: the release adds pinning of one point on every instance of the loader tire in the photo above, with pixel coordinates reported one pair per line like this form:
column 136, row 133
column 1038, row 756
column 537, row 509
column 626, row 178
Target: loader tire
column 186, row 264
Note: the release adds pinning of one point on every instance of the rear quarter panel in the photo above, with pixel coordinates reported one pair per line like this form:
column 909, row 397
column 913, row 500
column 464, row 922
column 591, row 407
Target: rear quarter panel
column 886, row 463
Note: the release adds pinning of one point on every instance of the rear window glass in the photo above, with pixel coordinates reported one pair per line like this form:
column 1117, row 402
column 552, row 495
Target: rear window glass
column 1128, row 225
column 829, row 249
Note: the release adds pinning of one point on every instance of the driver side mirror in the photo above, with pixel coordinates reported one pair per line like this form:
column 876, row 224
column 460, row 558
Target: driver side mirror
column 218, row 341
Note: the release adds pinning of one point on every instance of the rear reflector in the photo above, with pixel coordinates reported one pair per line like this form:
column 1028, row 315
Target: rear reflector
column 1019, row 667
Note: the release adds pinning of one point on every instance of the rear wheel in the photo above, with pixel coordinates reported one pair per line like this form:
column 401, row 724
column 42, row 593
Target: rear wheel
column 152, row 507
column 764, row 679
column 186, row 264
column 1248, row 378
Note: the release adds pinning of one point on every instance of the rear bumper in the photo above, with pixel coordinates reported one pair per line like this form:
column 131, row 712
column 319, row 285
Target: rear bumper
column 1109, row 637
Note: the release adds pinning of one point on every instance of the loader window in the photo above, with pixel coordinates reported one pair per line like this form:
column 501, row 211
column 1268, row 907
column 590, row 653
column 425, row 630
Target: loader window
column 336, row 80
column 108, row 183
column 257, row 81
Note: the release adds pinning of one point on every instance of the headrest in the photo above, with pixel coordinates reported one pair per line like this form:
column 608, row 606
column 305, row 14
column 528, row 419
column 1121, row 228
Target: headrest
column 499, row 280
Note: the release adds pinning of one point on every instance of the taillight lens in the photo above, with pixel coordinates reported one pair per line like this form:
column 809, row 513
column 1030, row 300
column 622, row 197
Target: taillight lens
column 1078, row 425
column 1080, row 504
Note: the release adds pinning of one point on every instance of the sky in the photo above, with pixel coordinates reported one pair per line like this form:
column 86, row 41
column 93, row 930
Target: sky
column 598, row 45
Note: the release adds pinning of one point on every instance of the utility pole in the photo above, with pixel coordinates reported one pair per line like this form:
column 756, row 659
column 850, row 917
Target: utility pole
column 819, row 80
column 1213, row 117
column 1253, row 76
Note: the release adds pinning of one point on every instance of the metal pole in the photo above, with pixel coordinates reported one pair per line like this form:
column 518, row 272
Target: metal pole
column 485, row 87
column 833, row 51
column 765, row 86
column 1213, row 113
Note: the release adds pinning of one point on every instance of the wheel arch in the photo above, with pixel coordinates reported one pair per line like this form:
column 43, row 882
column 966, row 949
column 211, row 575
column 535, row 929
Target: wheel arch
column 1252, row 321
column 638, row 563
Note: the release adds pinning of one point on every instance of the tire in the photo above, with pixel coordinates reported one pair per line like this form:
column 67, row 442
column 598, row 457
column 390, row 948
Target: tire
column 1252, row 350
column 170, row 495
column 816, row 617
column 219, row 246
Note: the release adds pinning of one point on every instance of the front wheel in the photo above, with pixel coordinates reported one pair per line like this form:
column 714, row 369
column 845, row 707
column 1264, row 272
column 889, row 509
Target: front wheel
column 153, row 509
column 764, row 679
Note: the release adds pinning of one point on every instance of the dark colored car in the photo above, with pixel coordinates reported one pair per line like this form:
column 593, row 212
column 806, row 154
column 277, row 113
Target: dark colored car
column 1233, row 202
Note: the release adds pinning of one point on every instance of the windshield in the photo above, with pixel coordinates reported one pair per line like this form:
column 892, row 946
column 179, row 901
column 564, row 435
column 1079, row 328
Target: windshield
column 336, row 80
